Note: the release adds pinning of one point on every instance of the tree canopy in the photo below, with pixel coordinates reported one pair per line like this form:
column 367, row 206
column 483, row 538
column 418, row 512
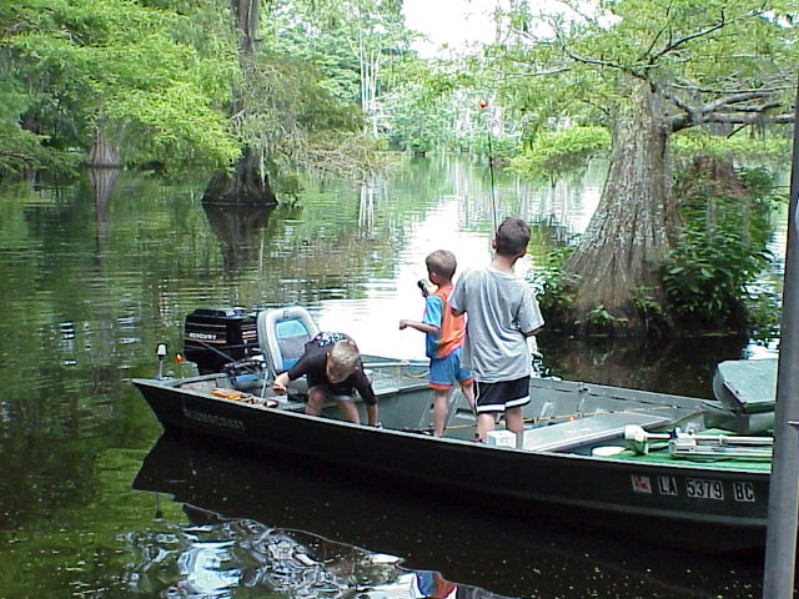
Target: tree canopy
column 151, row 76
column 163, row 81
column 329, row 84
column 647, row 70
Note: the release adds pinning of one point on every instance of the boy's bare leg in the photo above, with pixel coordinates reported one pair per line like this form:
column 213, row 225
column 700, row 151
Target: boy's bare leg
column 468, row 393
column 316, row 399
column 514, row 420
column 350, row 411
column 440, row 410
column 485, row 424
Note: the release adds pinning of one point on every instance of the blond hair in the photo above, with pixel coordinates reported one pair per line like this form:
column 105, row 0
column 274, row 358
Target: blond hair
column 343, row 358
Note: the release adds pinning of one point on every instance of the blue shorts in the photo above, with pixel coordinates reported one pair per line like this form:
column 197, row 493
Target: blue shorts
column 445, row 371
column 497, row 397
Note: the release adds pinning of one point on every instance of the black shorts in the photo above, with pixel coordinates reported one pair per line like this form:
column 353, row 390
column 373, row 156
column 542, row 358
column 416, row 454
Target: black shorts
column 493, row 398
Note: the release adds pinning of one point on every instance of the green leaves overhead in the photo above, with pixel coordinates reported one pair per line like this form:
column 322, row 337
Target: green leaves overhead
column 162, row 80
column 140, row 73
column 717, row 61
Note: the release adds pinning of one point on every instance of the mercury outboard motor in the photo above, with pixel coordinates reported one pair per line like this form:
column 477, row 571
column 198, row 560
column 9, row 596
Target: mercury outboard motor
column 213, row 337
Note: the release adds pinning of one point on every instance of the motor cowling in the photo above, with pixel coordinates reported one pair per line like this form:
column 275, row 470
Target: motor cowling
column 213, row 337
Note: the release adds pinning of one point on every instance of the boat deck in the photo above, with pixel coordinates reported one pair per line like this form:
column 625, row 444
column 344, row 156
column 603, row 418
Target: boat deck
column 661, row 456
column 584, row 420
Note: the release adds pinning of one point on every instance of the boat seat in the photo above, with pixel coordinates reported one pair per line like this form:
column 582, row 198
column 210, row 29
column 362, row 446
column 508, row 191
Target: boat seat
column 564, row 436
column 282, row 335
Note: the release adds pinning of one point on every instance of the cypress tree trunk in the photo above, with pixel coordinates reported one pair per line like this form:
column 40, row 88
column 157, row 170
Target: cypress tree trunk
column 245, row 187
column 103, row 154
column 248, row 185
column 636, row 220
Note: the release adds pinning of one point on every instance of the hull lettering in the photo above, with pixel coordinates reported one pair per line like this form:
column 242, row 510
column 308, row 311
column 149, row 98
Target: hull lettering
column 214, row 420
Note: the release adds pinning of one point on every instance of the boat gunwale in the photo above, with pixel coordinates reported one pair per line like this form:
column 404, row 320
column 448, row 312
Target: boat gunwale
column 295, row 407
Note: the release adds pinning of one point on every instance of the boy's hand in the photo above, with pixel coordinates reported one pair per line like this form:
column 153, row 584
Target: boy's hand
column 403, row 324
column 279, row 384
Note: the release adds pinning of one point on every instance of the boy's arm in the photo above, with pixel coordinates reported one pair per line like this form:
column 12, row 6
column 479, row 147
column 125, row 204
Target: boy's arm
column 364, row 387
column 530, row 315
column 431, row 320
column 280, row 384
column 419, row 326
column 533, row 332
column 456, row 298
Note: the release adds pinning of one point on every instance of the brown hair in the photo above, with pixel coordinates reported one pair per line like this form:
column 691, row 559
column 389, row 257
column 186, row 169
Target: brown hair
column 441, row 262
column 512, row 237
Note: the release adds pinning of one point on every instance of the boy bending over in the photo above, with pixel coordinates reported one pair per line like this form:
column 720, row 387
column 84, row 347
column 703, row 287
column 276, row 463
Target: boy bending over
column 332, row 364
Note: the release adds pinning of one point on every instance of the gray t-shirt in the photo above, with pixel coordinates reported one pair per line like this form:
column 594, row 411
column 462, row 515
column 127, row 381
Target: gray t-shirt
column 500, row 307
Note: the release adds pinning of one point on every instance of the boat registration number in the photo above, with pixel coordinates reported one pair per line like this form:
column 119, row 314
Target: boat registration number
column 701, row 488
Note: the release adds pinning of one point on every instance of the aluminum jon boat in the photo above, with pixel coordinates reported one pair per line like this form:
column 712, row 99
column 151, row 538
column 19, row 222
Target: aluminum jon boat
column 684, row 471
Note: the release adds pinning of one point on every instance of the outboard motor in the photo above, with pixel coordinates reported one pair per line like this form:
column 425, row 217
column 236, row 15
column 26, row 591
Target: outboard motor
column 213, row 337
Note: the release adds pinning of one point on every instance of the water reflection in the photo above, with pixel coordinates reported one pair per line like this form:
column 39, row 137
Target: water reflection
column 104, row 182
column 266, row 519
column 682, row 366
column 96, row 273
column 215, row 557
column 238, row 229
column 238, row 536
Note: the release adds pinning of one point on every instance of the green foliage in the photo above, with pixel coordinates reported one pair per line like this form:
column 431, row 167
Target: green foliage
column 559, row 152
column 19, row 148
column 763, row 313
column 317, row 96
column 291, row 121
column 647, row 305
column 155, row 79
column 725, row 66
column 743, row 147
column 555, row 286
column 722, row 249
column 601, row 318
column 358, row 45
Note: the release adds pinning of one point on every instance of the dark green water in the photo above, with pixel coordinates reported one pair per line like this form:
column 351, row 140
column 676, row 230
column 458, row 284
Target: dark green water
column 95, row 274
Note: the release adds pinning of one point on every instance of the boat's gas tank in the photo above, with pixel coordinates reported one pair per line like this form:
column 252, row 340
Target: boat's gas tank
column 213, row 337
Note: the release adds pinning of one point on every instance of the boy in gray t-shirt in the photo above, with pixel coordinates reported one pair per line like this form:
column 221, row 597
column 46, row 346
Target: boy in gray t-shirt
column 502, row 313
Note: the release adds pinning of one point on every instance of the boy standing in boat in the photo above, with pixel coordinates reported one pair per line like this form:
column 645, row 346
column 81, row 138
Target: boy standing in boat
column 332, row 364
column 444, row 337
column 502, row 314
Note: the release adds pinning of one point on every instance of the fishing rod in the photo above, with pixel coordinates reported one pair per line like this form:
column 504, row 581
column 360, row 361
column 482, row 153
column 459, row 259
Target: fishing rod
column 483, row 106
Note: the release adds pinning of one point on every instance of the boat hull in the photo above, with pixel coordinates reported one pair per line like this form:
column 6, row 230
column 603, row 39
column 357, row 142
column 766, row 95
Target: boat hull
column 702, row 506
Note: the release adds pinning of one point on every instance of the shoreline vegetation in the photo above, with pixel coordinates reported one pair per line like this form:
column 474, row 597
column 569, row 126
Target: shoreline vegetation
column 259, row 93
